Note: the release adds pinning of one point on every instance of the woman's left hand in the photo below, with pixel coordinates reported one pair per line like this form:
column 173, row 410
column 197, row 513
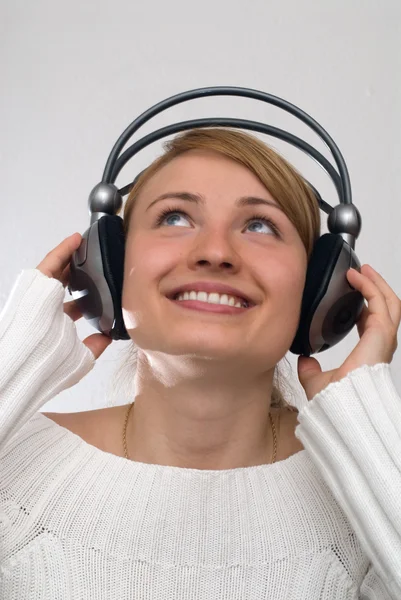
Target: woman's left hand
column 377, row 329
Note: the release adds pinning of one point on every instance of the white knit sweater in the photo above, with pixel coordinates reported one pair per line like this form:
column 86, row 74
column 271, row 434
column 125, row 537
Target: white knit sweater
column 79, row 523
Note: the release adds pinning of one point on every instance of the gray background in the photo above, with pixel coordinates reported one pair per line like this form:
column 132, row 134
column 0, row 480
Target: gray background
column 73, row 75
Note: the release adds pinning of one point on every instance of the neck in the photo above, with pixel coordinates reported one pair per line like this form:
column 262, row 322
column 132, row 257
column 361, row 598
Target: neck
column 203, row 416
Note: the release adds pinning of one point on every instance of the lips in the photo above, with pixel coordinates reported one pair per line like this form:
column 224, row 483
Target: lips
column 209, row 287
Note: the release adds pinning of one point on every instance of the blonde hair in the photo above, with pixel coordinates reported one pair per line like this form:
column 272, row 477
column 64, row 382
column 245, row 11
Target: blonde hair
column 279, row 177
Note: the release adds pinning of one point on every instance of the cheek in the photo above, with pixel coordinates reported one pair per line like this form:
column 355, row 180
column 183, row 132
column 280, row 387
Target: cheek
column 285, row 280
column 142, row 265
column 145, row 264
column 285, row 277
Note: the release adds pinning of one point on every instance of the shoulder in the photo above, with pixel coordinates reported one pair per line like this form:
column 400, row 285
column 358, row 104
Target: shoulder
column 97, row 427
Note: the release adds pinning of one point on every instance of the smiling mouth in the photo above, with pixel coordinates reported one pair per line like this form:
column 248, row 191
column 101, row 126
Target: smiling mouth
column 222, row 298
column 236, row 300
column 212, row 307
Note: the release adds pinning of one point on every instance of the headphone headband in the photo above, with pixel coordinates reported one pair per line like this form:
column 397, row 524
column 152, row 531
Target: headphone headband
column 231, row 91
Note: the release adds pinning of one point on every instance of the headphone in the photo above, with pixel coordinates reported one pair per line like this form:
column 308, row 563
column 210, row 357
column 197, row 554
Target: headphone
column 330, row 306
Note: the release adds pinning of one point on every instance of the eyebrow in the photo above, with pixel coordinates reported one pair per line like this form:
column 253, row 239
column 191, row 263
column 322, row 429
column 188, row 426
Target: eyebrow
column 199, row 199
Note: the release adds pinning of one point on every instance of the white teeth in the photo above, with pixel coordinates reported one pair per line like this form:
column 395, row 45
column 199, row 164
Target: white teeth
column 212, row 298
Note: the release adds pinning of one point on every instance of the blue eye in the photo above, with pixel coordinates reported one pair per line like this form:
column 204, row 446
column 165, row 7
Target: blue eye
column 165, row 213
column 175, row 211
column 267, row 221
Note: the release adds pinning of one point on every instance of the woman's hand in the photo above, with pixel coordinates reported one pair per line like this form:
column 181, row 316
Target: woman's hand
column 377, row 329
column 56, row 265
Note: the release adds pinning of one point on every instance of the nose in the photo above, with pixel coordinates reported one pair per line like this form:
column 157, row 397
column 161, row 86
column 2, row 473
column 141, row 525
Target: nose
column 215, row 250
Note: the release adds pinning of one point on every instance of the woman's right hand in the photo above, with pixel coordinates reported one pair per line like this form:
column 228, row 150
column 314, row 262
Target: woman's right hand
column 56, row 264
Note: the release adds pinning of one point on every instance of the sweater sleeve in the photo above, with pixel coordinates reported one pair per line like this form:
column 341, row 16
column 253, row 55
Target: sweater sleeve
column 40, row 352
column 352, row 431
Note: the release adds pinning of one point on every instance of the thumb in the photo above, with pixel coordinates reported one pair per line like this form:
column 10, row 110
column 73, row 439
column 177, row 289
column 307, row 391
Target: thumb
column 97, row 343
column 308, row 368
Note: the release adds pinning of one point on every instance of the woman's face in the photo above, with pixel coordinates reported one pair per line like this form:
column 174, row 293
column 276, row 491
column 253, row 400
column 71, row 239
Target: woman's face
column 213, row 241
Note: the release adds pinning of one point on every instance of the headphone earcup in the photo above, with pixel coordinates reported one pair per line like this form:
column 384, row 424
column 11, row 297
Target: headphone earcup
column 330, row 306
column 96, row 276
column 112, row 247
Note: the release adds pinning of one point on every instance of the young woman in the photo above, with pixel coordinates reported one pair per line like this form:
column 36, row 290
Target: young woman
column 175, row 495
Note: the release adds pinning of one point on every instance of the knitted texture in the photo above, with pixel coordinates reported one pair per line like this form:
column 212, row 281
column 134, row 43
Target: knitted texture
column 79, row 523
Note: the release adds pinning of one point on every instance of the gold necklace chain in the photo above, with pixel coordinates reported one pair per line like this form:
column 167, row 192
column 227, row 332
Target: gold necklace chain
column 132, row 404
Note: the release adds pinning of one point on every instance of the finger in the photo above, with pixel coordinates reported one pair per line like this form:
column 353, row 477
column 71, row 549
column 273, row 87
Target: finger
column 377, row 303
column 393, row 301
column 97, row 343
column 71, row 309
column 65, row 275
column 361, row 323
column 57, row 259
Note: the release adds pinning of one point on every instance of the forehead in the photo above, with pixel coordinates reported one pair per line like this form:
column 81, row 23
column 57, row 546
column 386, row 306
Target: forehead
column 205, row 172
